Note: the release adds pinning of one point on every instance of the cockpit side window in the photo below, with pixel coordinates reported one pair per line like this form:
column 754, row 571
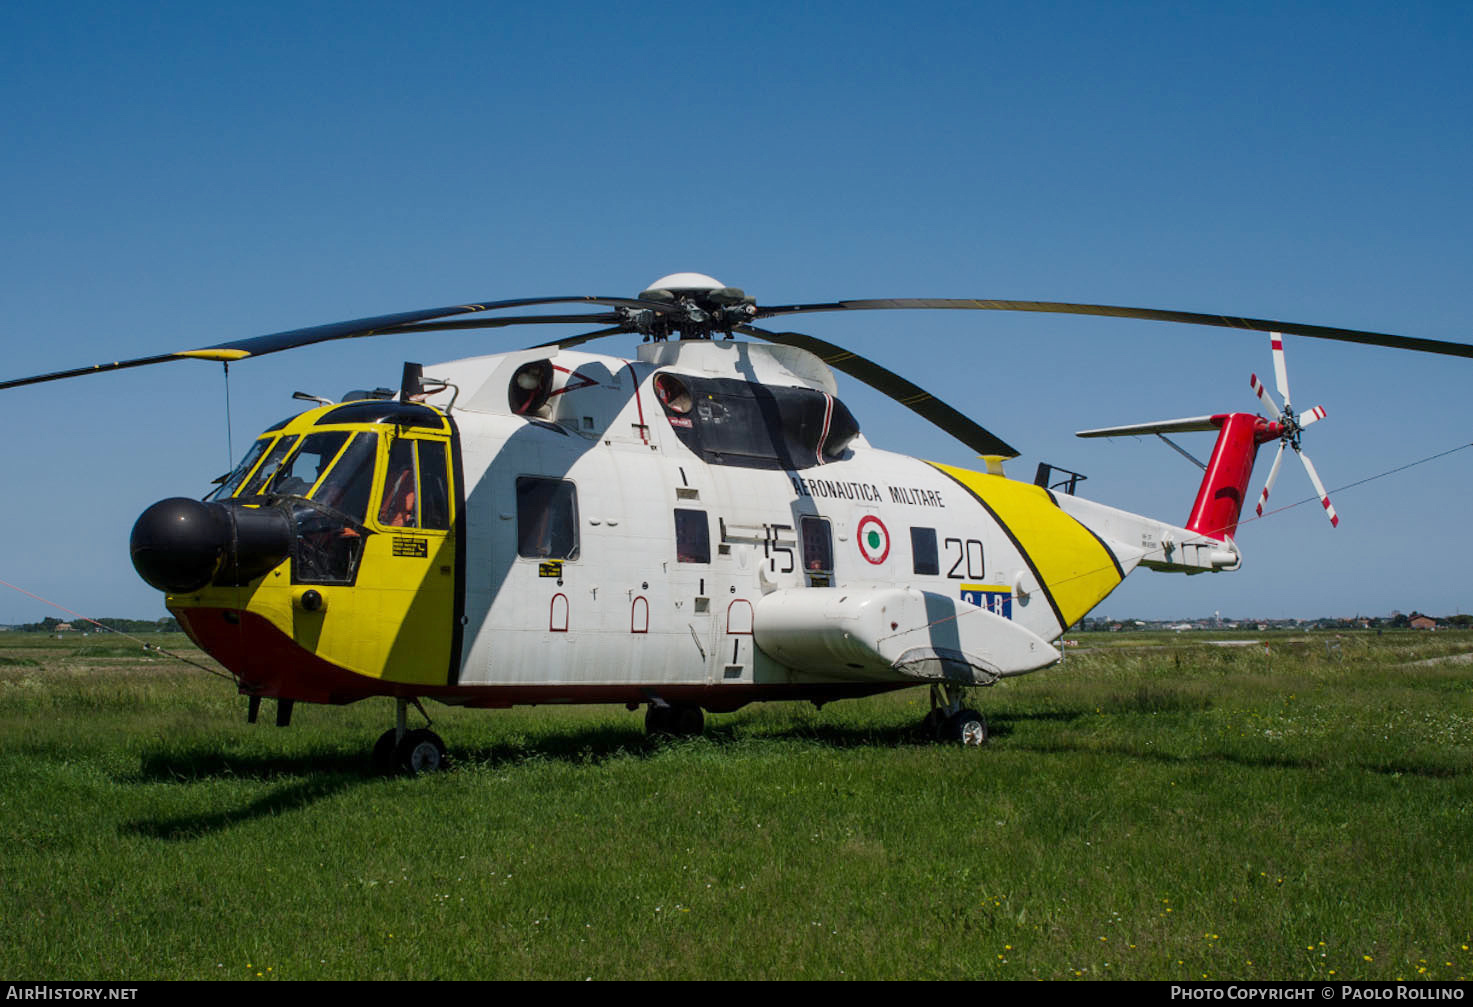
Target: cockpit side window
column 399, row 506
column 434, row 480
column 347, row 486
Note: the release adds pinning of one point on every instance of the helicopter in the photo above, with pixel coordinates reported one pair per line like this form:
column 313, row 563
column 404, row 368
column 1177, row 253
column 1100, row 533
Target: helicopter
column 691, row 530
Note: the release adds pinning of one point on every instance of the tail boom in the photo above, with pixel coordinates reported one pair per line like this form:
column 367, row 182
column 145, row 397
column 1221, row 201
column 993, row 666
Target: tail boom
column 1225, row 483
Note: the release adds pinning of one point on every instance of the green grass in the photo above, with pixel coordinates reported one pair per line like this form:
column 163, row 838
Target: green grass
column 1154, row 808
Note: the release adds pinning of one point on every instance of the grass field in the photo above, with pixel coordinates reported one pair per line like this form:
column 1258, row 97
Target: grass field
column 1155, row 808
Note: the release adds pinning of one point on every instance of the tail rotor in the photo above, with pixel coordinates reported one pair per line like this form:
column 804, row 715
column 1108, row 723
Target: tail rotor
column 1290, row 425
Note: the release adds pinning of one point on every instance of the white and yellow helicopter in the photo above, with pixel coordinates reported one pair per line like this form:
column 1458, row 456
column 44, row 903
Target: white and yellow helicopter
column 695, row 529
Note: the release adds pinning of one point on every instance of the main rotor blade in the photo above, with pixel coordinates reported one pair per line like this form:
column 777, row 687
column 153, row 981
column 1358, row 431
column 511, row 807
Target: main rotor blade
column 1150, row 314
column 503, row 322
column 77, row 372
column 908, row 394
column 256, row 346
column 570, row 341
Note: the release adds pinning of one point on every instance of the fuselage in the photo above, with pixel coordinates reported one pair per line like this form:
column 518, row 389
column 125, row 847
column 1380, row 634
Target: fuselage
column 628, row 529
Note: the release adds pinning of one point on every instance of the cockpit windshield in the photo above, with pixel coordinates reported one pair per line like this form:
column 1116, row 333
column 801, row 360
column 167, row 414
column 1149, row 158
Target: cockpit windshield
column 232, row 482
column 323, row 481
column 306, row 465
column 268, row 467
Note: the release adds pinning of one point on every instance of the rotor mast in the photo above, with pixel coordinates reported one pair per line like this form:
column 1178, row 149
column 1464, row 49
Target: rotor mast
column 698, row 307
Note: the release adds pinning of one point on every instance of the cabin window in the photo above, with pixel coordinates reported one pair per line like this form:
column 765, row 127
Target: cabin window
column 924, row 557
column 434, row 477
column 692, row 536
column 399, row 505
column 741, row 423
column 547, row 518
column 818, row 545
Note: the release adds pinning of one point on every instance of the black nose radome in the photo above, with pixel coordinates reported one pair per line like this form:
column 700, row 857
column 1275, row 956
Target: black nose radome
column 180, row 545
column 177, row 544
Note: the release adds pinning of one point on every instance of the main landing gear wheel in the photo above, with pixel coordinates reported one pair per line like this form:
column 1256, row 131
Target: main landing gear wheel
column 967, row 727
column 950, row 721
column 674, row 721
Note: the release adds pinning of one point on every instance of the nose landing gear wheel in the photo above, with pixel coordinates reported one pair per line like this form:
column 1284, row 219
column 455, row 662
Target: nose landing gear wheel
column 419, row 752
column 422, row 752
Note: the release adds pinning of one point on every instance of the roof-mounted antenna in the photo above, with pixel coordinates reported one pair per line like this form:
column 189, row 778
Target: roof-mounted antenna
column 412, row 383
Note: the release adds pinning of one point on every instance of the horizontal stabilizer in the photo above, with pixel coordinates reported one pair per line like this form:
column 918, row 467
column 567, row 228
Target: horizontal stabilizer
column 1181, row 426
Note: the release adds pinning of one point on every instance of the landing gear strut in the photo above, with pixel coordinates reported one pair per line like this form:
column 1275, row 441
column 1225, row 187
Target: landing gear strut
column 950, row 721
column 662, row 719
column 410, row 752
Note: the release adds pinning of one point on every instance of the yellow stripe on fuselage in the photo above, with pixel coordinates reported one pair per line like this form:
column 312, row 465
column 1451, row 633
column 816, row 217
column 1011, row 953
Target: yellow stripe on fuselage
column 1074, row 567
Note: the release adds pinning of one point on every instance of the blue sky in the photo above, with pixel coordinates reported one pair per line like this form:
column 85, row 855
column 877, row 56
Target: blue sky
column 178, row 174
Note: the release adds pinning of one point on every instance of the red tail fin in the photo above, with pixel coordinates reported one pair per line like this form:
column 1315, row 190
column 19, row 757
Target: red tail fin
column 1225, row 483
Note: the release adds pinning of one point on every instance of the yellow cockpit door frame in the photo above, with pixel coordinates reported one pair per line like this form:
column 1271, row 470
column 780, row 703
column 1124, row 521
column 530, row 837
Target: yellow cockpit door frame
column 407, row 597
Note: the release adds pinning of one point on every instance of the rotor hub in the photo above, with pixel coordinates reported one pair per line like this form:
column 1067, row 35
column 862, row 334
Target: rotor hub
column 690, row 305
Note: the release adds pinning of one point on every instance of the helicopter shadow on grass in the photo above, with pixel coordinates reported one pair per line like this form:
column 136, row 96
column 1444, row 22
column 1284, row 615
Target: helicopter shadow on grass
column 599, row 744
column 291, row 797
column 1308, row 764
column 901, row 734
column 596, row 745
column 297, row 782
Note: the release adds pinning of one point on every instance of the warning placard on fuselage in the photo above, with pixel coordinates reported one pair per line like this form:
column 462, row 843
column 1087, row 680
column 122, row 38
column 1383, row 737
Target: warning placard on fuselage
column 406, row 546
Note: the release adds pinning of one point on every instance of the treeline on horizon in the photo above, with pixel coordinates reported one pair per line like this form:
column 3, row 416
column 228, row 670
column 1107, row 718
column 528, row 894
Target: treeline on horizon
column 168, row 624
column 1462, row 620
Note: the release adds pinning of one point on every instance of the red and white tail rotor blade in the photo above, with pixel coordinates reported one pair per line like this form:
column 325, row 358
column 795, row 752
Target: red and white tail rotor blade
column 1312, row 416
column 1319, row 488
column 1281, row 373
column 1264, row 397
column 1273, row 474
